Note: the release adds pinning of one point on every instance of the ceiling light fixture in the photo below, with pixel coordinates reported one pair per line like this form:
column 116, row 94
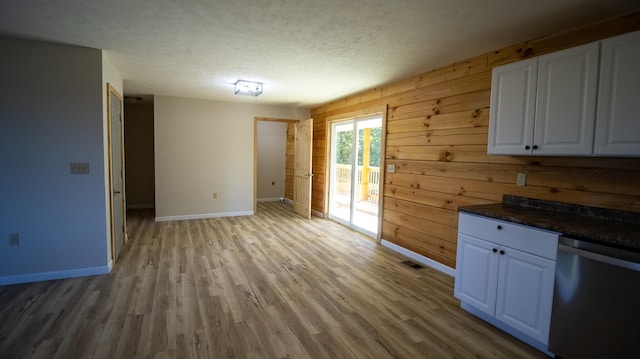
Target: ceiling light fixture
column 248, row 88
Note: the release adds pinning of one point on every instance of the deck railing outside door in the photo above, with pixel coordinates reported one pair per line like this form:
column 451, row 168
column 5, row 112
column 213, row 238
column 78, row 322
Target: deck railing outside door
column 367, row 192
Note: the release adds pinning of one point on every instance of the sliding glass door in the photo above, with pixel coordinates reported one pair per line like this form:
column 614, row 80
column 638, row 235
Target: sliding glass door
column 355, row 173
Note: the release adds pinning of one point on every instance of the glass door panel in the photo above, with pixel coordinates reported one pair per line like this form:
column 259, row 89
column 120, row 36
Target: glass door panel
column 355, row 173
column 365, row 211
column 341, row 170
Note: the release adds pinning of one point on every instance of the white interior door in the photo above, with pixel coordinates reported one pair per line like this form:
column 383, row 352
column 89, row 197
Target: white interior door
column 354, row 183
column 116, row 168
column 302, row 168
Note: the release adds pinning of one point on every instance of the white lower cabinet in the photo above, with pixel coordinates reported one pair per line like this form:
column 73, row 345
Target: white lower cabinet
column 525, row 293
column 477, row 273
column 506, row 271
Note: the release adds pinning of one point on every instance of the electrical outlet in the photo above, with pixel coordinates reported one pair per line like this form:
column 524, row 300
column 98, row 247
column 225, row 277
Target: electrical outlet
column 14, row 239
column 79, row 168
column 522, row 179
column 391, row 168
column 215, row 195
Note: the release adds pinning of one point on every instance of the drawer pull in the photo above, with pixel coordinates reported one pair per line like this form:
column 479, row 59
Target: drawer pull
column 495, row 250
column 499, row 227
column 501, row 252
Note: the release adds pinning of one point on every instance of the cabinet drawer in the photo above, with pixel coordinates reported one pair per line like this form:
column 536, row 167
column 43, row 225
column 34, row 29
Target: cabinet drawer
column 532, row 240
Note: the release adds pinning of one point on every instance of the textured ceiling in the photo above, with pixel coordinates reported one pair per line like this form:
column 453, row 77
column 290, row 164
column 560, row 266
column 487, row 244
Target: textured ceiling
column 305, row 52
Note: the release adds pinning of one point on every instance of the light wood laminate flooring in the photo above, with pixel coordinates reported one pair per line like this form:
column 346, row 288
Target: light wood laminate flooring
column 273, row 285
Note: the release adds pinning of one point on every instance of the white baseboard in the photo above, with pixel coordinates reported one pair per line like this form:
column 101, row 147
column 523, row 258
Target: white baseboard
column 418, row 257
column 203, row 216
column 43, row 276
column 140, row 206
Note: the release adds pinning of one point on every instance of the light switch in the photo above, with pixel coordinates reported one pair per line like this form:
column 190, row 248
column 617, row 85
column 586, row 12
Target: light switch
column 522, row 179
column 391, row 168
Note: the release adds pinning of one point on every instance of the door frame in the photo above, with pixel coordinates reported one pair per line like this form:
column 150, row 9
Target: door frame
column 378, row 110
column 255, row 153
column 112, row 91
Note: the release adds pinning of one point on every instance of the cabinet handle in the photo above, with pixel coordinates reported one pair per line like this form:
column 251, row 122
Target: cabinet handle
column 527, row 147
column 501, row 252
column 535, row 147
column 495, row 250
column 499, row 227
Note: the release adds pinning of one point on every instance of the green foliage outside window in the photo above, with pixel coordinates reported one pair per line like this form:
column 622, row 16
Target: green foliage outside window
column 344, row 144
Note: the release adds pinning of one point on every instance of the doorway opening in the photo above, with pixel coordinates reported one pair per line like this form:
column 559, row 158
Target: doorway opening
column 355, row 180
column 273, row 167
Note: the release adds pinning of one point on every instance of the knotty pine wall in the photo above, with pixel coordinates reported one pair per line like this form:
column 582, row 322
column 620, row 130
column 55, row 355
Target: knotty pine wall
column 288, row 181
column 437, row 131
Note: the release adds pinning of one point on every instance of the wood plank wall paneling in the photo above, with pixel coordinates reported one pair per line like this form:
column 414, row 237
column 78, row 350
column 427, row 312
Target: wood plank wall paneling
column 288, row 179
column 437, row 129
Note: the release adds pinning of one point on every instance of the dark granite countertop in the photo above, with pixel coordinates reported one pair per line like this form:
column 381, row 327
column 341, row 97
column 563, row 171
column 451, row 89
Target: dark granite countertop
column 610, row 227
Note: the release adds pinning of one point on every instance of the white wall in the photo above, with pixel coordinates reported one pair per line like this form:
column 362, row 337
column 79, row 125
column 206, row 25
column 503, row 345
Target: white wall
column 51, row 114
column 272, row 159
column 202, row 147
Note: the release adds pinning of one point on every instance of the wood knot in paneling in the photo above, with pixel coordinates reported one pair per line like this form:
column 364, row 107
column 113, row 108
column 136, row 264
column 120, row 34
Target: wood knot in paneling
column 446, row 156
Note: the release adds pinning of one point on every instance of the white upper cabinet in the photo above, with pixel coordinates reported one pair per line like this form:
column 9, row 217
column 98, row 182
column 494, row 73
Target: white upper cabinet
column 545, row 105
column 566, row 102
column 513, row 99
column 618, row 118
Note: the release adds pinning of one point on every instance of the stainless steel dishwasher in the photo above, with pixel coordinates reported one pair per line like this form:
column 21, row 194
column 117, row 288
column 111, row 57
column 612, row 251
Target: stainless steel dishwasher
column 596, row 302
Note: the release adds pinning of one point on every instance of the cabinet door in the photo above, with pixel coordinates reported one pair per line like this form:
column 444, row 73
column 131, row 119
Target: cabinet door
column 525, row 293
column 618, row 122
column 513, row 98
column 566, row 101
column 476, row 273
